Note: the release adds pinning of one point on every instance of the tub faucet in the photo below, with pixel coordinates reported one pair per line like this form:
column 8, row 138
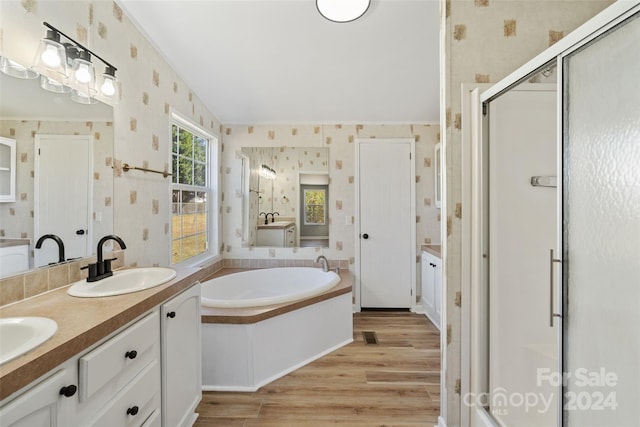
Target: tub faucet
column 56, row 239
column 323, row 260
column 102, row 268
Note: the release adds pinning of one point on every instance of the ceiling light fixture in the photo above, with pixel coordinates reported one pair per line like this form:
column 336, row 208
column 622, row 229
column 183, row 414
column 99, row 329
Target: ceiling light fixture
column 342, row 10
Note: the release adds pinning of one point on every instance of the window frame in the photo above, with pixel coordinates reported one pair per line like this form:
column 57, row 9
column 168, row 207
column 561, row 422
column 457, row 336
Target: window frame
column 324, row 205
column 213, row 191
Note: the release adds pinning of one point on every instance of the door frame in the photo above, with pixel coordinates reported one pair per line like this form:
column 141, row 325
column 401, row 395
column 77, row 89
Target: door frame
column 412, row 149
column 36, row 186
column 472, row 358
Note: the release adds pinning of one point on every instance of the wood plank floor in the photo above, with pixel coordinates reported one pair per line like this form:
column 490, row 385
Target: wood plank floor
column 393, row 383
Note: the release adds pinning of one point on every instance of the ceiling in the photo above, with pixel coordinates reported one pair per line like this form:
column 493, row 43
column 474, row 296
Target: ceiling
column 266, row 61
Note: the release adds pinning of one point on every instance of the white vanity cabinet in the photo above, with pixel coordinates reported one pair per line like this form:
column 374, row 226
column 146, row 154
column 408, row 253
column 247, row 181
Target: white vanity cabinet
column 181, row 358
column 44, row 404
column 119, row 381
column 146, row 374
column 431, row 287
column 277, row 236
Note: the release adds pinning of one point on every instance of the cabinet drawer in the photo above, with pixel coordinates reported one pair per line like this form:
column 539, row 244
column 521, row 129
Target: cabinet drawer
column 135, row 403
column 116, row 356
column 154, row 420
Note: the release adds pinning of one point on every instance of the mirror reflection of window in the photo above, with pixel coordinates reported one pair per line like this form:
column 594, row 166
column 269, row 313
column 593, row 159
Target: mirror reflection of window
column 315, row 207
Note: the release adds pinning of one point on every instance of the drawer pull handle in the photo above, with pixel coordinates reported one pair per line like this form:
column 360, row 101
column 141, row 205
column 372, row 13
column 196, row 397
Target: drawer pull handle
column 133, row 410
column 68, row 391
column 171, row 314
column 131, row 354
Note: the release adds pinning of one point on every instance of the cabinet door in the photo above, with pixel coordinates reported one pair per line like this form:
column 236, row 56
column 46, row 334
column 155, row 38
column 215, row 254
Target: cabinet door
column 437, row 285
column 41, row 406
column 428, row 284
column 181, row 358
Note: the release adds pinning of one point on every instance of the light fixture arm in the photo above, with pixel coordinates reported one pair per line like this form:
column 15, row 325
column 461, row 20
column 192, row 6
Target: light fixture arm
column 51, row 27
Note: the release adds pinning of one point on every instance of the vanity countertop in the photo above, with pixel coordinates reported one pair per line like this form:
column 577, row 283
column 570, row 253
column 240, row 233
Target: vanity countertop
column 82, row 322
column 433, row 250
column 5, row 243
column 276, row 225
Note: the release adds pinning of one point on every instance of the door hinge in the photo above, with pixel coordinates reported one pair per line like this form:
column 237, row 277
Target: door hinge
column 411, row 292
column 38, row 151
column 409, row 156
column 485, row 108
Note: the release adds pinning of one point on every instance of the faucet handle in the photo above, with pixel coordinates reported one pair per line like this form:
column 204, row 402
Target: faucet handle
column 92, row 270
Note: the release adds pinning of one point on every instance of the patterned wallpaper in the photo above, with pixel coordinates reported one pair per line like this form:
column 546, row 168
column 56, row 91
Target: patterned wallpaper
column 150, row 91
column 340, row 140
column 484, row 41
column 16, row 219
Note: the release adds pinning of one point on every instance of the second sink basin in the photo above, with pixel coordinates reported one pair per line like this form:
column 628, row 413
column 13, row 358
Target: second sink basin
column 123, row 282
column 19, row 335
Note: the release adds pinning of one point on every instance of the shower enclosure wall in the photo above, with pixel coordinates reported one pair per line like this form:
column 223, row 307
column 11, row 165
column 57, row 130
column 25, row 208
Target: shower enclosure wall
column 555, row 235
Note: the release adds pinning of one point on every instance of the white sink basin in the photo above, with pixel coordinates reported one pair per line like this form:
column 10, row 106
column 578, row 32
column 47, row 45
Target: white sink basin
column 123, row 282
column 19, row 335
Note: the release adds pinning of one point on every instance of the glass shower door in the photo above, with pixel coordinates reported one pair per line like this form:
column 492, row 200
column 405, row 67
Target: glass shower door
column 601, row 229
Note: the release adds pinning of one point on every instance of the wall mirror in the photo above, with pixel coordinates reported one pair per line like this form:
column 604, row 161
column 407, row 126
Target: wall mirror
column 285, row 196
column 63, row 175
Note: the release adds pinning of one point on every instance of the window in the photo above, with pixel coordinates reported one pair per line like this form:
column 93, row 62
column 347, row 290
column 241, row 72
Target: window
column 194, row 200
column 314, row 207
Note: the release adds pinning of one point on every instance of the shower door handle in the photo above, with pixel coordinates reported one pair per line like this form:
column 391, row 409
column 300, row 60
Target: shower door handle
column 551, row 313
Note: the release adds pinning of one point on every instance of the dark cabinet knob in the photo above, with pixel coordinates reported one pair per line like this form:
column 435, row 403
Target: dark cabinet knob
column 365, row 236
column 80, row 232
column 131, row 354
column 68, row 391
column 171, row 314
column 133, row 410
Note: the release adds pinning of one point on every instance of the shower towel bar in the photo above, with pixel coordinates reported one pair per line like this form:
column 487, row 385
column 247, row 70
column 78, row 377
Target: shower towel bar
column 543, row 181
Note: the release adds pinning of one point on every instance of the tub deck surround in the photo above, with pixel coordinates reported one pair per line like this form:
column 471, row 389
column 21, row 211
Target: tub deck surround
column 82, row 322
column 246, row 348
column 247, row 315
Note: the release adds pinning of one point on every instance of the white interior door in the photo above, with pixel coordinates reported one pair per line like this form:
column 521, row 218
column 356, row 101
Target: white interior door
column 522, row 230
column 601, row 229
column 386, row 189
column 64, row 194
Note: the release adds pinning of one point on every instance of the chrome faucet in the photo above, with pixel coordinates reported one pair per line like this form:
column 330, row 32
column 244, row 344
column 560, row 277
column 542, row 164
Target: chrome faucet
column 102, row 268
column 323, row 260
column 56, row 239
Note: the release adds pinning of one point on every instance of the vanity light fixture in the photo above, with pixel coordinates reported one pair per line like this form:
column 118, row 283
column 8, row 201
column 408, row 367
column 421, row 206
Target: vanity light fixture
column 69, row 64
column 51, row 57
column 267, row 172
column 53, row 86
column 13, row 69
column 342, row 10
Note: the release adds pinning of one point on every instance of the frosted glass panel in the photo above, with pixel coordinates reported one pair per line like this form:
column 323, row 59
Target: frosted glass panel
column 602, row 230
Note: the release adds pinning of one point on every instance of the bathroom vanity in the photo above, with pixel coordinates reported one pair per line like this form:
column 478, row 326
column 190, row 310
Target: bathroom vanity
column 432, row 282
column 14, row 256
column 128, row 360
column 277, row 234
